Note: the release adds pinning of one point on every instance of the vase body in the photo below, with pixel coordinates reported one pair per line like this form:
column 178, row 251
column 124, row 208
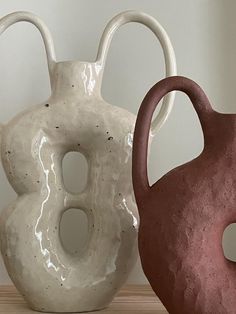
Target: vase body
column 33, row 144
column 184, row 214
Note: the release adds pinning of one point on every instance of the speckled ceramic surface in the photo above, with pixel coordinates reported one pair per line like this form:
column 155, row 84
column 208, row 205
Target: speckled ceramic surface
column 33, row 144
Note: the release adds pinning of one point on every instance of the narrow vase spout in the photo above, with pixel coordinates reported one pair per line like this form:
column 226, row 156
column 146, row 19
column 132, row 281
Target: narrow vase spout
column 77, row 79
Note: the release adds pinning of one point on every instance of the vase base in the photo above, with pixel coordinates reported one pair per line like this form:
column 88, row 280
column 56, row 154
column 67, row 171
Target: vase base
column 46, row 310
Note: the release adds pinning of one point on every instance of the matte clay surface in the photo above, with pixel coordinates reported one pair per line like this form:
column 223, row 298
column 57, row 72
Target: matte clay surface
column 184, row 214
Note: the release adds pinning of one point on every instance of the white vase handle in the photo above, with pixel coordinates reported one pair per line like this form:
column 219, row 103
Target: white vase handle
column 22, row 16
column 169, row 54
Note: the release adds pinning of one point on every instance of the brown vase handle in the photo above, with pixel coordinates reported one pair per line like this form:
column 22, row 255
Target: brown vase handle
column 144, row 118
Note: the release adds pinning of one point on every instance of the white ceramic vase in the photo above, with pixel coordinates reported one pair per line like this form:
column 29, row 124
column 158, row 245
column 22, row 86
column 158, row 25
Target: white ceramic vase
column 33, row 144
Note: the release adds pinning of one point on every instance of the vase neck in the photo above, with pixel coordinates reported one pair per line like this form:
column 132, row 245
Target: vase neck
column 77, row 79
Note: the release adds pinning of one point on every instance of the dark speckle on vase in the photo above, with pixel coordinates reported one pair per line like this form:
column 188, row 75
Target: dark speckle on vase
column 110, row 138
column 46, row 105
column 57, row 127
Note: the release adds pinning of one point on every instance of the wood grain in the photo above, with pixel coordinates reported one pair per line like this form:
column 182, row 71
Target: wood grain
column 133, row 299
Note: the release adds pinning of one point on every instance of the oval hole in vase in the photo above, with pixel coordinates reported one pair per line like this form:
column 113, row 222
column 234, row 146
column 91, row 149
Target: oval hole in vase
column 74, row 231
column 229, row 243
column 74, row 171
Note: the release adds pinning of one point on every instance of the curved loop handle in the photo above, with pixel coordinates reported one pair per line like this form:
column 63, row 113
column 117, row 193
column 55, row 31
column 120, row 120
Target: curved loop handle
column 144, row 118
column 22, row 16
column 169, row 54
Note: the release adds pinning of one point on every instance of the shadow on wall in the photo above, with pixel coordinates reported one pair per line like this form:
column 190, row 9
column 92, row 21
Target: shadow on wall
column 227, row 49
column 222, row 52
column 225, row 56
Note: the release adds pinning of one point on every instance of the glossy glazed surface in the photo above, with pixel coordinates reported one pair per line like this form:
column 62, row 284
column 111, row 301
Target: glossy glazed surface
column 74, row 118
column 33, row 146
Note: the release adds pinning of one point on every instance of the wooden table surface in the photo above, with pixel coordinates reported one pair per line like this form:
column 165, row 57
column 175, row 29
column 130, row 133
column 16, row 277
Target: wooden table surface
column 137, row 299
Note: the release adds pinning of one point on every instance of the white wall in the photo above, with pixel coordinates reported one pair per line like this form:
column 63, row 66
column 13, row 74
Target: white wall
column 202, row 32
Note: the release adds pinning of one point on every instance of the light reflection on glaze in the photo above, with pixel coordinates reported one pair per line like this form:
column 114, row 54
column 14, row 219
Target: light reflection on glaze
column 39, row 234
column 51, row 276
column 135, row 220
column 75, row 118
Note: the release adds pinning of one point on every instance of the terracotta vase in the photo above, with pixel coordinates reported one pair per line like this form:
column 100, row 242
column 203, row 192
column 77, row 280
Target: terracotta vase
column 33, row 144
column 184, row 214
